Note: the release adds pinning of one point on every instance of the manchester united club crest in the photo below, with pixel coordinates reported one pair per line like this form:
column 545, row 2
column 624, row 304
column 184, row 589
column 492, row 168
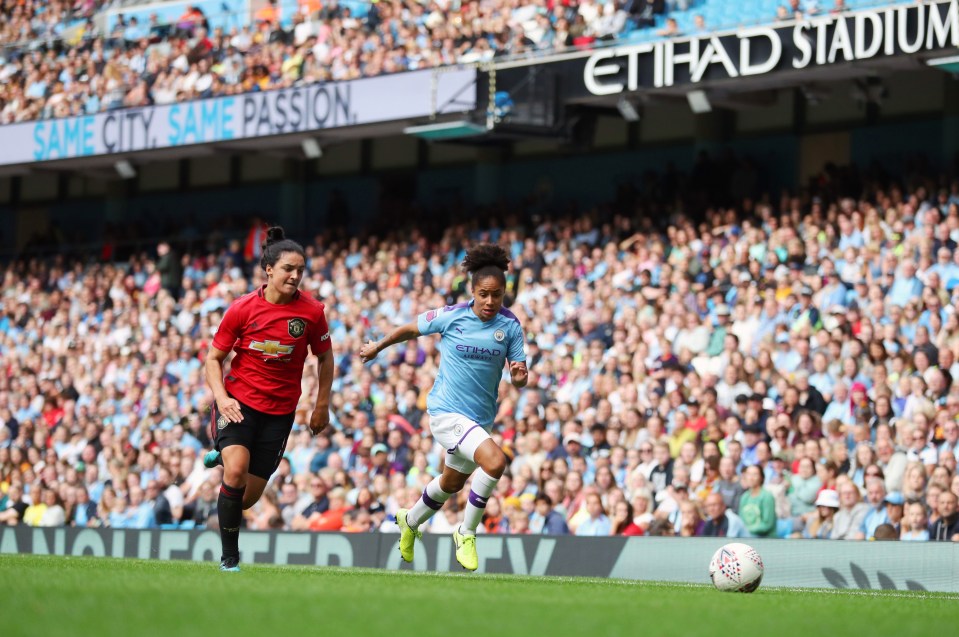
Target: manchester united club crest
column 296, row 327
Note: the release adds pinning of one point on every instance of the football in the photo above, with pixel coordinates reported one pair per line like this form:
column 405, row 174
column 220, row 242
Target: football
column 736, row 567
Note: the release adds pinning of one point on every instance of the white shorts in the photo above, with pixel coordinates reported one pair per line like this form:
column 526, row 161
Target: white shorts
column 461, row 437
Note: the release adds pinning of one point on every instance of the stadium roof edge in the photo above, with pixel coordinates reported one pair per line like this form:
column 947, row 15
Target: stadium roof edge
column 456, row 129
column 948, row 64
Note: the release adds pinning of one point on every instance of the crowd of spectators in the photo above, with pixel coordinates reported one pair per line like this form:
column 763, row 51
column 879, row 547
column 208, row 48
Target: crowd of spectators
column 778, row 368
column 56, row 62
column 798, row 10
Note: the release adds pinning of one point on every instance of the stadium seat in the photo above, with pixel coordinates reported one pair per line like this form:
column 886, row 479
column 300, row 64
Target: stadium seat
column 288, row 8
column 359, row 8
column 225, row 14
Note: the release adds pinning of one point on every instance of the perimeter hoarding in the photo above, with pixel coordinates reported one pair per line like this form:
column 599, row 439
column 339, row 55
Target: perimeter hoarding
column 931, row 566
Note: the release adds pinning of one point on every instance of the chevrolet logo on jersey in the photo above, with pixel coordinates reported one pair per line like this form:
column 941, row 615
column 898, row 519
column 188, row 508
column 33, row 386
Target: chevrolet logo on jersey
column 272, row 348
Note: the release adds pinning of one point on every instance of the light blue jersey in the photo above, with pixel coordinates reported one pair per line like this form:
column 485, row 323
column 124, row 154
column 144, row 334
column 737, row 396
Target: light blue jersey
column 472, row 356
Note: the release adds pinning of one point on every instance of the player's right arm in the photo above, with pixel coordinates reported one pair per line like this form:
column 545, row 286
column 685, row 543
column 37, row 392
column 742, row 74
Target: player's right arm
column 402, row 333
column 226, row 335
column 228, row 407
column 432, row 322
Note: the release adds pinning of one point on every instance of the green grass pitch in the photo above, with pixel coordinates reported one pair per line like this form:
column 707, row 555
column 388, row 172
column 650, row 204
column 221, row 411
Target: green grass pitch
column 100, row 597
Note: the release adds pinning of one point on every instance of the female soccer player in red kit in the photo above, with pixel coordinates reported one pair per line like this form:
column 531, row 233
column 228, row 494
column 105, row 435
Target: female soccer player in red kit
column 269, row 329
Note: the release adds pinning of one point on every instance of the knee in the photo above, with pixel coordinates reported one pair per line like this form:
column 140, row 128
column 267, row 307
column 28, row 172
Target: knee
column 235, row 480
column 495, row 466
column 451, row 485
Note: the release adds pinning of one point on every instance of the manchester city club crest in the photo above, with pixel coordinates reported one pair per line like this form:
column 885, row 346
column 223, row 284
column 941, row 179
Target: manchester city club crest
column 457, row 429
column 499, row 335
column 296, row 327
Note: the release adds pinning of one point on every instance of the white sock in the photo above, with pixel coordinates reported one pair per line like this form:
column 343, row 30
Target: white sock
column 431, row 501
column 482, row 489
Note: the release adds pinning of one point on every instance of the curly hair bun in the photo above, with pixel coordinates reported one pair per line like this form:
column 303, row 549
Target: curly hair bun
column 486, row 255
column 274, row 234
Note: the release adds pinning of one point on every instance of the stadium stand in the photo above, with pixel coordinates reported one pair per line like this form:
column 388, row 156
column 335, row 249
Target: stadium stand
column 815, row 335
column 59, row 59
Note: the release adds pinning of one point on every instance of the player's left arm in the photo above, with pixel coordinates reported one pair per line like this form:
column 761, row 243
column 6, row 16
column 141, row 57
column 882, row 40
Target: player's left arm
column 321, row 346
column 320, row 418
column 518, row 372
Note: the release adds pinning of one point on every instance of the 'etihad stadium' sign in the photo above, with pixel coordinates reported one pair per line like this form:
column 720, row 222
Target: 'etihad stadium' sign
column 817, row 41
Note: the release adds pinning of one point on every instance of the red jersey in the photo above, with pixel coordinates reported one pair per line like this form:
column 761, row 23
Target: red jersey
column 270, row 342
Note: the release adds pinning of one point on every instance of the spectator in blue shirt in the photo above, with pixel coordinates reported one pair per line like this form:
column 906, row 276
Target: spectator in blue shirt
column 84, row 512
column 752, row 436
column 821, row 379
column 933, row 307
column 137, row 515
column 944, row 267
column 786, row 358
column 849, row 234
column 37, row 87
column 907, row 285
column 722, row 521
column 769, row 319
column 597, row 524
column 832, row 293
column 876, row 515
column 840, row 408
column 545, row 519
column 135, row 31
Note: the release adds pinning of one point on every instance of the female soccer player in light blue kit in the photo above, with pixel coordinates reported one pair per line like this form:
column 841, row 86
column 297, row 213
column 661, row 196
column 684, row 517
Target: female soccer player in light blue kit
column 478, row 338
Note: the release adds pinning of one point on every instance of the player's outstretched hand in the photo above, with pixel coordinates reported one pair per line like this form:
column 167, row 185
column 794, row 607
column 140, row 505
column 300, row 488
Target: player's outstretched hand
column 229, row 408
column 518, row 373
column 368, row 352
column 319, row 420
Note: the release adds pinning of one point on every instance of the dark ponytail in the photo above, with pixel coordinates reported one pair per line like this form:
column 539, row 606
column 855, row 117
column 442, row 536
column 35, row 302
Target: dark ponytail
column 276, row 244
column 486, row 259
